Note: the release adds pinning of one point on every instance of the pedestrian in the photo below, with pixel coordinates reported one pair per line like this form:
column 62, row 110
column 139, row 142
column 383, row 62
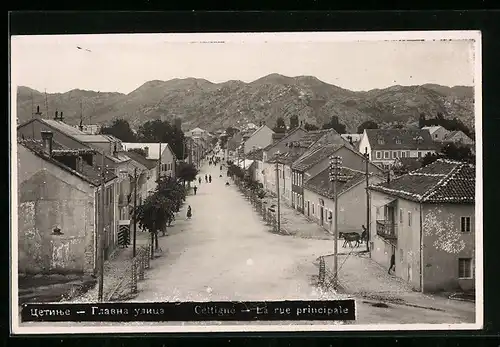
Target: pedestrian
column 221, row 168
column 189, row 213
column 206, row 178
column 199, row 180
column 393, row 263
column 210, row 179
column 195, row 189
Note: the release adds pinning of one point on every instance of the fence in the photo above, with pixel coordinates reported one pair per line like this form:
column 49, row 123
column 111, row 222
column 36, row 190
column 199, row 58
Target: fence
column 260, row 206
column 140, row 263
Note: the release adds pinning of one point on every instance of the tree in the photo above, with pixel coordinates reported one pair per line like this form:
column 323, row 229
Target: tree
column 175, row 193
column 140, row 151
column 294, row 121
column 162, row 131
column 153, row 215
column 186, row 172
column 120, row 129
column 421, row 121
column 369, row 124
column 280, row 126
column 430, row 158
column 459, row 153
column 310, row 127
column 336, row 125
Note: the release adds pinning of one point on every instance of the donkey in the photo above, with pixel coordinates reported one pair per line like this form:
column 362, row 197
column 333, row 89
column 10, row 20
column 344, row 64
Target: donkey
column 351, row 237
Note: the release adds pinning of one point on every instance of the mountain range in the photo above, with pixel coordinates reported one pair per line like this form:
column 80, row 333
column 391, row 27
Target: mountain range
column 201, row 103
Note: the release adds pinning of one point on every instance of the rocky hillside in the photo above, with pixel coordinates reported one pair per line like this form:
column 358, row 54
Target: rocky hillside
column 209, row 105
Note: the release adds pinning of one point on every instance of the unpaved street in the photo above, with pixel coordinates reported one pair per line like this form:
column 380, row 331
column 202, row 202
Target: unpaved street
column 225, row 252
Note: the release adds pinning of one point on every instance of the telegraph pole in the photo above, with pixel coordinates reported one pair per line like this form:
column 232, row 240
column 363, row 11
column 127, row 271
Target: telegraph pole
column 135, row 219
column 335, row 166
column 367, row 157
column 101, row 232
column 278, row 215
column 159, row 163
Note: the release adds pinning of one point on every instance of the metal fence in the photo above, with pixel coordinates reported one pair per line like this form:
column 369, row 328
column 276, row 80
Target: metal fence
column 139, row 265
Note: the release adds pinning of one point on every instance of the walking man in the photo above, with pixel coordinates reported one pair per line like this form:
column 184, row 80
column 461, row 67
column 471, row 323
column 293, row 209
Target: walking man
column 195, row 189
column 199, row 180
column 393, row 263
column 189, row 212
column 206, row 178
column 210, row 179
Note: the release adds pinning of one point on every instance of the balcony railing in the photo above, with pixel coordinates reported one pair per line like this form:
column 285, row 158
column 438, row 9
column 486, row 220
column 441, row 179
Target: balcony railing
column 387, row 230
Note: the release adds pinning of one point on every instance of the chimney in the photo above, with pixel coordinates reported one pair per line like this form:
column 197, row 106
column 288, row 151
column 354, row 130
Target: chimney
column 301, row 123
column 61, row 116
column 47, row 142
column 115, row 149
column 350, row 140
column 146, row 150
column 56, row 117
column 38, row 113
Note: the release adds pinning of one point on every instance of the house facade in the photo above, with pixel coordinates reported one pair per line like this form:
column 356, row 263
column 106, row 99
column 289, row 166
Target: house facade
column 426, row 218
column 59, row 208
column 67, row 137
column 315, row 161
column 386, row 145
column 437, row 132
column 319, row 200
column 458, row 137
column 160, row 153
column 260, row 138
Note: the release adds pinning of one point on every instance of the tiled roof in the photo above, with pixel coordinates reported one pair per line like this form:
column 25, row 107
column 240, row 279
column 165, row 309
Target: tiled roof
column 314, row 157
column 153, row 148
column 255, row 154
column 311, row 137
column 86, row 172
column 381, row 139
column 321, row 185
column 65, row 128
column 432, row 129
column 443, row 181
column 141, row 159
column 410, row 163
column 95, row 138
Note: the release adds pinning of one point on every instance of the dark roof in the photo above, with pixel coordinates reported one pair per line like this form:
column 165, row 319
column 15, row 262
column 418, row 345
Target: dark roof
column 283, row 139
column 311, row 137
column 321, row 185
column 148, row 163
column 288, row 157
column 443, row 181
column 86, row 172
column 315, row 157
column 255, row 154
column 381, row 139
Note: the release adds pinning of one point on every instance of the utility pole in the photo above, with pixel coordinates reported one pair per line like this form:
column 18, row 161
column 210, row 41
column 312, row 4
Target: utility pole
column 190, row 155
column 367, row 159
column 46, row 104
column 335, row 167
column 278, row 215
column 159, row 163
column 135, row 219
column 101, row 232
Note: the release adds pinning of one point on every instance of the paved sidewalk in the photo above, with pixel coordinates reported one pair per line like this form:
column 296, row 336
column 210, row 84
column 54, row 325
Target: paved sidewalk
column 362, row 277
column 115, row 271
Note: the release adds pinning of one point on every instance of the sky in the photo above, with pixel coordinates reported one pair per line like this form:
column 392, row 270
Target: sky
column 122, row 63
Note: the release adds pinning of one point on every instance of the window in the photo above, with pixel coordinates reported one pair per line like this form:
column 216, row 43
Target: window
column 409, row 218
column 465, row 268
column 401, row 255
column 403, row 154
column 465, row 224
column 400, row 215
column 378, row 155
column 419, row 154
column 394, row 154
column 398, row 141
column 408, row 154
column 313, row 208
column 387, row 155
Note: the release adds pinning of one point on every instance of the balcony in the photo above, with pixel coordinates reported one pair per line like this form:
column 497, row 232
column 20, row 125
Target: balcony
column 387, row 230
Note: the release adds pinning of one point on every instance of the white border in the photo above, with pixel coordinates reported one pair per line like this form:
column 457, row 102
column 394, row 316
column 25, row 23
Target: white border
column 269, row 38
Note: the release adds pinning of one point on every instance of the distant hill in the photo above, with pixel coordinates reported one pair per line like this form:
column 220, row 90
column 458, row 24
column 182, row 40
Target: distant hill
column 201, row 103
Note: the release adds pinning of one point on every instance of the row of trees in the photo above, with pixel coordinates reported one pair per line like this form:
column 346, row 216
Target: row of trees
column 243, row 176
column 158, row 210
column 333, row 123
column 151, row 131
